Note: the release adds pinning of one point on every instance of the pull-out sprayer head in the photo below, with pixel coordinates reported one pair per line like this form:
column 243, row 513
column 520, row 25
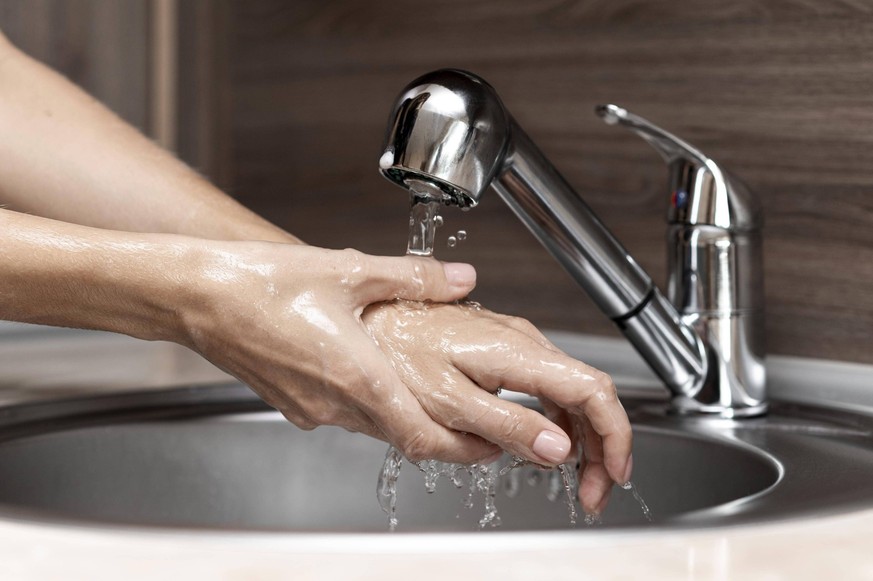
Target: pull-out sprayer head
column 448, row 135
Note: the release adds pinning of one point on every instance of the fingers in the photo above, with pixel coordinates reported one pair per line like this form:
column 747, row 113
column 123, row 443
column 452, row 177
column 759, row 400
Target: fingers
column 595, row 484
column 574, row 386
column 383, row 278
column 461, row 405
column 397, row 413
column 569, row 424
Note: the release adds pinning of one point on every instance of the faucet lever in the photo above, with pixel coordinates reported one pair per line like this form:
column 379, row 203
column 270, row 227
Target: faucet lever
column 668, row 145
column 701, row 192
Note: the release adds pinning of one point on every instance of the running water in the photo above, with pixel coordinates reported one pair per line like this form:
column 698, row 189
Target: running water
column 643, row 506
column 482, row 478
column 571, row 490
column 424, row 218
column 486, row 479
column 386, row 487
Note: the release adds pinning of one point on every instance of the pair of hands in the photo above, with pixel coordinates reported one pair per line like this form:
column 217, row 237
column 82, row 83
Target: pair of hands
column 342, row 338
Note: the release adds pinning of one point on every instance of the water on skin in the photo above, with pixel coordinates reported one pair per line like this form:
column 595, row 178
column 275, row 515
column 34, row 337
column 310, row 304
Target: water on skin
column 423, row 222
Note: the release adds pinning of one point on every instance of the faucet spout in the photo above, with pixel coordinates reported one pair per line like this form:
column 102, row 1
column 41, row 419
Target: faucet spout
column 450, row 130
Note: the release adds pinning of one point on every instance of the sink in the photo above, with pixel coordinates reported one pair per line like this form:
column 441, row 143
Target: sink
column 217, row 458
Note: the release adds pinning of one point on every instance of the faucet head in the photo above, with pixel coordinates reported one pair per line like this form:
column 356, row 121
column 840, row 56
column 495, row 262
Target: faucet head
column 447, row 137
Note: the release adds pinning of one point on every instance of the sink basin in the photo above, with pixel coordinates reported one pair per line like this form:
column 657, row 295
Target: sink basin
column 217, row 458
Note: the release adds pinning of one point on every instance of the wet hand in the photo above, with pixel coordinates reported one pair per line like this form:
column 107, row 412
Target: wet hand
column 455, row 357
column 286, row 320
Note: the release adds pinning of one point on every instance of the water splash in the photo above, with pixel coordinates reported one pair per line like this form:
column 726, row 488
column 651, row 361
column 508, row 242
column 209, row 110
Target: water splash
column 484, row 479
column 481, row 477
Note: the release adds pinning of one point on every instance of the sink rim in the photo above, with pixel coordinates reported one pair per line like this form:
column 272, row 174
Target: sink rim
column 234, row 399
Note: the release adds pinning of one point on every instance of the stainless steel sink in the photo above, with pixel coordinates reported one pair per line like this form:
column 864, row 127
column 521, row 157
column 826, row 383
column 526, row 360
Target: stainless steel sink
column 216, row 458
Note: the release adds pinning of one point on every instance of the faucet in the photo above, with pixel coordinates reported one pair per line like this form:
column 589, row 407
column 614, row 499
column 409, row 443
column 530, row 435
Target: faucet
column 450, row 131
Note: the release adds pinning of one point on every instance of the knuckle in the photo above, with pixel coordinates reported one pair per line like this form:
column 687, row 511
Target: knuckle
column 604, row 388
column 357, row 267
column 418, row 272
column 624, row 431
column 324, row 416
column 417, row 447
column 524, row 325
column 299, row 421
column 510, row 426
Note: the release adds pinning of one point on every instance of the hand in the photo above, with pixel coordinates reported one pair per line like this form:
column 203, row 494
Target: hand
column 285, row 320
column 455, row 357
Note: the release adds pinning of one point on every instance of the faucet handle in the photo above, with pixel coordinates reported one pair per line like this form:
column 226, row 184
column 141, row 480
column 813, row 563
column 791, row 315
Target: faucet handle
column 701, row 193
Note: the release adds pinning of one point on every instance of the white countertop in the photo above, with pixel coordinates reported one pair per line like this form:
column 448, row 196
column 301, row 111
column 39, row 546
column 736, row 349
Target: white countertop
column 832, row 548
column 36, row 365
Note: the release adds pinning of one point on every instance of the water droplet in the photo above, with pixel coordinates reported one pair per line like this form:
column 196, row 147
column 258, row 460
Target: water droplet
column 437, row 220
column 387, row 159
column 452, row 242
column 462, row 235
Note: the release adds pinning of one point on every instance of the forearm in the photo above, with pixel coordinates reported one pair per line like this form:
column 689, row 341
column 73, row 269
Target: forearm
column 68, row 275
column 65, row 156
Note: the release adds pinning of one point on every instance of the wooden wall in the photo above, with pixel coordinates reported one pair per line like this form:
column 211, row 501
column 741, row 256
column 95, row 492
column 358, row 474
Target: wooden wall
column 286, row 103
column 101, row 45
column 780, row 92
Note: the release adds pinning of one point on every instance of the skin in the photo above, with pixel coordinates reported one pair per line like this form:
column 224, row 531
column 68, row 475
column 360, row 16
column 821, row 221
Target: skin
column 126, row 238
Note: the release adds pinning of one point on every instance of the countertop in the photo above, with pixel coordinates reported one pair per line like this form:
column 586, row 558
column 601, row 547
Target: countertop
column 37, row 364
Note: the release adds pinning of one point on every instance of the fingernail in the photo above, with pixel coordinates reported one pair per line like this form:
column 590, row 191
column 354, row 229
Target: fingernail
column 628, row 469
column 552, row 446
column 460, row 274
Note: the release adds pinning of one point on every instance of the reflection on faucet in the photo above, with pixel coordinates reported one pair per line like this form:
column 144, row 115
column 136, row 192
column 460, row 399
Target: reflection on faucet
column 450, row 129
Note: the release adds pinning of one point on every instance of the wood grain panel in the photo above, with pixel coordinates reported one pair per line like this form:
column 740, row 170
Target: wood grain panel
column 101, row 45
column 204, row 107
column 780, row 92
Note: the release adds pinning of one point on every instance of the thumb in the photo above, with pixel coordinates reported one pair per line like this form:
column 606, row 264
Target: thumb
column 415, row 278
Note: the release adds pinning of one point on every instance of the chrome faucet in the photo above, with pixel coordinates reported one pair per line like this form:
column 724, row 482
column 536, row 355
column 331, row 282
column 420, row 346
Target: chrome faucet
column 450, row 131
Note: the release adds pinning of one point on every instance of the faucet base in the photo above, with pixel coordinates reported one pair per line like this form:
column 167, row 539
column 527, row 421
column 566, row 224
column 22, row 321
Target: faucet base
column 686, row 407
